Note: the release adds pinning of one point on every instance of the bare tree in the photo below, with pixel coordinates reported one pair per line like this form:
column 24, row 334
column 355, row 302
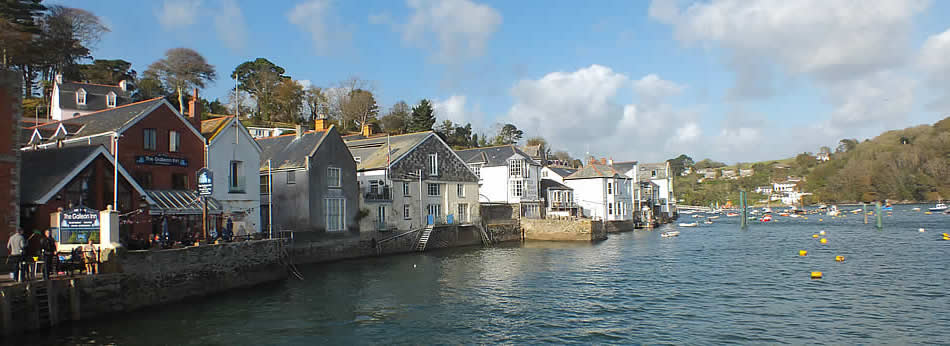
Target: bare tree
column 182, row 69
column 316, row 102
column 341, row 104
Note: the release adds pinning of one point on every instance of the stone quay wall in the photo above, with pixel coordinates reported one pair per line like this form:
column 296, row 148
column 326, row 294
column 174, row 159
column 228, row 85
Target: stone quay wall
column 619, row 226
column 563, row 230
column 138, row 279
column 504, row 232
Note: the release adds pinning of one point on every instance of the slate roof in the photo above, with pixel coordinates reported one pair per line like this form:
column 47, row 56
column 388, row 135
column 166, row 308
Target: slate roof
column 532, row 150
column 548, row 184
column 645, row 171
column 595, row 170
column 623, row 167
column 372, row 151
column 44, row 169
column 288, row 151
column 491, row 156
column 103, row 121
column 562, row 171
column 210, row 127
column 95, row 96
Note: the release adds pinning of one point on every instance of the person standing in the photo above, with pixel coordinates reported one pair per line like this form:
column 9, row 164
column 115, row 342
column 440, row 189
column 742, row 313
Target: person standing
column 48, row 250
column 89, row 257
column 228, row 229
column 15, row 245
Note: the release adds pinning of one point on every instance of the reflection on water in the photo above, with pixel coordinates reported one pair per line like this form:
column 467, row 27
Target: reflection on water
column 712, row 284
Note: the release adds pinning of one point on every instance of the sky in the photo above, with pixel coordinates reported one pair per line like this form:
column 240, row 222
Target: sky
column 731, row 80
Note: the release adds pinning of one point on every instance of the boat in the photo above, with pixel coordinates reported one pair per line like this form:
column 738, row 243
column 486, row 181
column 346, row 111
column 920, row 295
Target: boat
column 691, row 224
column 708, row 222
column 915, row 209
column 795, row 216
column 732, row 214
column 697, row 216
column 767, row 210
column 687, row 212
column 670, row 234
column 766, row 218
column 782, row 214
column 833, row 211
column 939, row 207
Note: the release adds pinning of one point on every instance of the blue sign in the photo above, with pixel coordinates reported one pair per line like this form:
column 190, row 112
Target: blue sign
column 205, row 182
column 80, row 218
column 161, row 160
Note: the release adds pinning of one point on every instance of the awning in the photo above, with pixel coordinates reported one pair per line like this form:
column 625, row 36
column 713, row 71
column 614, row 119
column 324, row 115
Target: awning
column 179, row 202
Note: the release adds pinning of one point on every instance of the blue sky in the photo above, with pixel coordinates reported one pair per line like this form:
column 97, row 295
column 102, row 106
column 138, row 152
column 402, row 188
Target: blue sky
column 734, row 80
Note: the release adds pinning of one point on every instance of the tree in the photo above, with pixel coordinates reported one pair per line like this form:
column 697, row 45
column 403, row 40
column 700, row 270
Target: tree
column 181, row 69
column 107, row 71
column 359, row 108
column 680, row 163
column 149, row 88
column 316, row 102
column 68, row 34
column 707, row 163
column 423, row 117
column 260, row 79
column 846, row 145
column 397, row 120
column 824, row 150
column 288, row 101
column 563, row 156
column 509, row 134
column 339, row 98
column 19, row 33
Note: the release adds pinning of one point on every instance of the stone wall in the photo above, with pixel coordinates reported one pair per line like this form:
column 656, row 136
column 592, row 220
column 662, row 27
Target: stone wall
column 453, row 236
column 451, row 168
column 498, row 213
column 504, row 232
column 619, row 226
column 10, row 91
column 563, row 230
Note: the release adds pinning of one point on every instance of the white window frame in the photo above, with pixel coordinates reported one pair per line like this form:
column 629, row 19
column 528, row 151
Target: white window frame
column 291, row 177
column 435, row 210
column 517, row 188
column 174, row 141
column 610, row 188
column 236, row 176
column 460, row 190
column 340, row 219
column 434, row 164
column 406, row 212
column 81, row 96
column 110, row 100
column 334, row 178
column 437, row 188
column 477, row 169
column 374, row 186
column 381, row 214
column 405, row 189
column 150, row 139
column 516, row 168
column 610, row 208
column 462, row 212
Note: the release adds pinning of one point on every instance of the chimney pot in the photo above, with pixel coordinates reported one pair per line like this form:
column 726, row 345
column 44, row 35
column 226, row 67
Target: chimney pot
column 124, row 85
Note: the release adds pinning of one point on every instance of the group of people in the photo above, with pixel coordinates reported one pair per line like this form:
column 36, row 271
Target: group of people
column 45, row 248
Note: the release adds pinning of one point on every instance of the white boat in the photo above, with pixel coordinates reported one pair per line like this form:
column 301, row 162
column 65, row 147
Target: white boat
column 714, row 217
column 687, row 212
column 670, row 234
column 833, row 211
column 693, row 224
column 939, row 207
column 697, row 216
column 767, row 210
column 915, row 209
column 708, row 222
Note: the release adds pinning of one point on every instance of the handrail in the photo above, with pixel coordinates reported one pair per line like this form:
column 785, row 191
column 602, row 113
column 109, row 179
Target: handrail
column 396, row 236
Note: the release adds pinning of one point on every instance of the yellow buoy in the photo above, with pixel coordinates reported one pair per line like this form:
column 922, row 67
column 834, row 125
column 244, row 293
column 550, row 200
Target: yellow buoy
column 946, row 235
column 927, row 213
column 814, row 236
column 820, row 220
column 822, row 232
column 806, row 218
column 839, row 258
column 946, row 238
column 802, row 253
column 816, row 275
column 824, row 241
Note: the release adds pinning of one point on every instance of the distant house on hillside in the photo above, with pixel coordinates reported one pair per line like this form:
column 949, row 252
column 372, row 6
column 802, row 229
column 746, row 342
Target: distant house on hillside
column 729, row 174
column 71, row 99
column 823, row 157
column 746, row 172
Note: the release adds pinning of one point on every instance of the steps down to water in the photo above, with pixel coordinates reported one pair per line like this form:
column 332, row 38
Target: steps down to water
column 424, row 238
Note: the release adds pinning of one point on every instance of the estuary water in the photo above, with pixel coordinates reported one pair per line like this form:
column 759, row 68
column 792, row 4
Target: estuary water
column 713, row 284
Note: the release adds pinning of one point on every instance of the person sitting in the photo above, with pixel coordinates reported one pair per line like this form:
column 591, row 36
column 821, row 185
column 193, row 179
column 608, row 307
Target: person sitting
column 90, row 257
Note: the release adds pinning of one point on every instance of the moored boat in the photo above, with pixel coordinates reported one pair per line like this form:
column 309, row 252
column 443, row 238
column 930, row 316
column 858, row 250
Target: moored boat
column 689, row 224
column 670, row 234
column 939, row 207
column 766, row 218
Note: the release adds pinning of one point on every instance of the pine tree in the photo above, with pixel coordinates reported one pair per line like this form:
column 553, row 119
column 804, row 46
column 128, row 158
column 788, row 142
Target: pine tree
column 423, row 117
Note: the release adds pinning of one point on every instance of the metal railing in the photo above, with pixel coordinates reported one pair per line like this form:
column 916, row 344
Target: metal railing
column 379, row 194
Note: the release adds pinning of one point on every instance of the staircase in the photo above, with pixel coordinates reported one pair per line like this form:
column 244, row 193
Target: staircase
column 424, row 238
column 486, row 239
column 42, row 303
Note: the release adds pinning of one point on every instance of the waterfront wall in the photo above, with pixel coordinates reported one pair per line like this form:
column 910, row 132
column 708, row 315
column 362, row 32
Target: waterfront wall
column 619, row 226
column 504, row 232
column 563, row 230
column 140, row 279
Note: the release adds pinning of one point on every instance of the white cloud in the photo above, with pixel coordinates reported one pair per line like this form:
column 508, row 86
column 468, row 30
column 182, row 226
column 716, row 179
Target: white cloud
column 175, row 14
column 935, row 64
column 461, row 28
column 230, row 25
column 305, row 83
column 653, row 90
column 689, row 132
column 454, row 109
column 316, row 18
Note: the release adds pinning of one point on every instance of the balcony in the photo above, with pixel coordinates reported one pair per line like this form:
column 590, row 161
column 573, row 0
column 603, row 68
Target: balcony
column 563, row 205
column 379, row 194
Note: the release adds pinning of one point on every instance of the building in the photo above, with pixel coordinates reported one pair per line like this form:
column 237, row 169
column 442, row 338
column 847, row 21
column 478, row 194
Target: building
column 234, row 158
column 661, row 175
column 746, row 172
column 507, row 175
column 10, row 138
column 412, row 180
column 602, row 192
column 538, row 153
column 708, row 173
column 558, row 198
column 161, row 149
column 823, row 157
column 556, row 173
column 765, row 190
column 729, row 174
column 264, row 132
column 71, row 99
column 784, row 186
column 308, row 183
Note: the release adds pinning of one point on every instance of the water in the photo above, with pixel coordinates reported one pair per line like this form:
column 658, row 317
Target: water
column 713, row 284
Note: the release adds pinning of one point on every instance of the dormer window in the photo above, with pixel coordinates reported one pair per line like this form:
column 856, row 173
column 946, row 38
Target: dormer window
column 81, row 97
column 110, row 99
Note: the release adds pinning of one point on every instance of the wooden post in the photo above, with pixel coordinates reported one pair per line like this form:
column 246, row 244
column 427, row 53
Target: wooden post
column 204, row 217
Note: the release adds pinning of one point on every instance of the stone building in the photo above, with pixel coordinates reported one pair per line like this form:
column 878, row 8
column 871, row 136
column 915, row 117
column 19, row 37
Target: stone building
column 507, row 175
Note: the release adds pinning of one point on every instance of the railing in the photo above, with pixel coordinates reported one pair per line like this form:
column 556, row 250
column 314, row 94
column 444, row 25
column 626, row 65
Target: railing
column 380, row 194
column 563, row 205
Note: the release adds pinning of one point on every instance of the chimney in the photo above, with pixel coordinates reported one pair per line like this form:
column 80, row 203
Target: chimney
column 194, row 110
column 610, row 161
column 603, row 160
column 321, row 123
column 367, row 130
column 299, row 131
column 59, row 78
column 124, row 85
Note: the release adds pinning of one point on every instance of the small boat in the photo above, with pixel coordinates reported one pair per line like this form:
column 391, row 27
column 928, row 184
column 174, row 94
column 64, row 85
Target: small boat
column 915, row 209
column 697, row 216
column 782, row 214
column 714, row 217
column 691, row 224
column 766, row 210
column 833, row 211
column 732, row 214
column 708, row 222
column 670, row 234
column 939, row 207
column 687, row 212
column 766, row 218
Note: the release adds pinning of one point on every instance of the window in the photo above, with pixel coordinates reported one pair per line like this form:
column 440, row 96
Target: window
column 110, row 99
column 179, row 181
column 236, row 178
column 517, row 188
column 405, row 212
column 174, row 141
column 265, row 182
column 291, row 177
column 477, row 169
column 515, row 168
column 81, row 97
column 333, row 177
column 544, row 174
column 461, row 190
column 374, row 187
column 434, row 210
column 150, row 136
column 463, row 212
column 610, row 188
column 144, row 179
column 434, row 190
column 335, row 209
column 381, row 216
column 358, row 160
column 434, row 164
column 405, row 189
column 653, row 173
column 610, row 208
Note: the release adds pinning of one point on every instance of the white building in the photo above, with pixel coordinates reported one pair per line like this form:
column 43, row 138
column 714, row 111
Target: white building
column 785, row 186
column 506, row 175
column 234, row 158
column 661, row 175
column 264, row 132
column 71, row 99
column 558, row 198
column 602, row 192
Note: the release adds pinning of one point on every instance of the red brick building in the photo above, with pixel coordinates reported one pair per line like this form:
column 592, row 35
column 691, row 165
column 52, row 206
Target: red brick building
column 9, row 155
column 160, row 148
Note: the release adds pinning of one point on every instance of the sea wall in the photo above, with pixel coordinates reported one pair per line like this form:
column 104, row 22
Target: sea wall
column 563, row 230
column 504, row 232
column 619, row 226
